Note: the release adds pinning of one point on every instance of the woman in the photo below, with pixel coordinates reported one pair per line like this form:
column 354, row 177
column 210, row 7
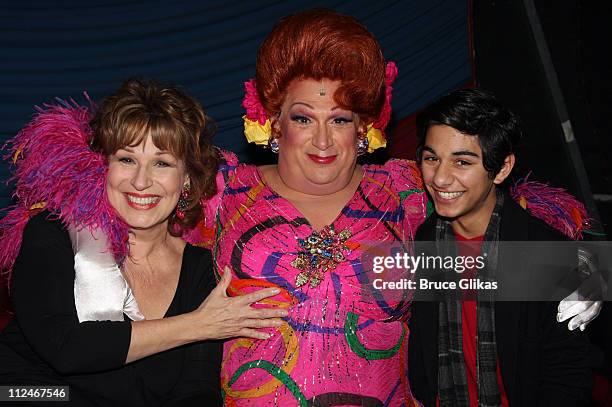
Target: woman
column 152, row 164
column 322, row 82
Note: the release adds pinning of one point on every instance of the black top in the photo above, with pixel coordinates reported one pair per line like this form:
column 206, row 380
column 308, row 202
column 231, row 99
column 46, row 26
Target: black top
column 46, row 344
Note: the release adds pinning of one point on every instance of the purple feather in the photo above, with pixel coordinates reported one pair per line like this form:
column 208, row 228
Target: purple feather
column 555, row 206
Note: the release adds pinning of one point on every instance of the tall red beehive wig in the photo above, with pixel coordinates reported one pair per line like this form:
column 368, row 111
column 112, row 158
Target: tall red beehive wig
column 319, row 44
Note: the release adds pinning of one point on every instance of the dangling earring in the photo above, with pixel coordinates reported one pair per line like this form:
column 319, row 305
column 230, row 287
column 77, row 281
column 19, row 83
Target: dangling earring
column 362, row 145
column 182, row 204
column 273, row 144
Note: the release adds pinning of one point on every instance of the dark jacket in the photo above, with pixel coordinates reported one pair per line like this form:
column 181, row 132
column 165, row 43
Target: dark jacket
column 542, row 363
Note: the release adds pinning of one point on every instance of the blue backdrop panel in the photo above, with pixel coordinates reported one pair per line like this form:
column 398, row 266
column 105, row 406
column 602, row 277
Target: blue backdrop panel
column 60, row 49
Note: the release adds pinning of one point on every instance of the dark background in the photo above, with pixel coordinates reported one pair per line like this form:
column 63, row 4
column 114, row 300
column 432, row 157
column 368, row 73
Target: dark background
column 577, row 34
column 62, row 48
column 59, row 49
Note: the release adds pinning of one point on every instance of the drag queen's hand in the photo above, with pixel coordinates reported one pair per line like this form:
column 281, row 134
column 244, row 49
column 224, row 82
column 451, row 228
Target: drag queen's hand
column 580, row 312
column 584, row 304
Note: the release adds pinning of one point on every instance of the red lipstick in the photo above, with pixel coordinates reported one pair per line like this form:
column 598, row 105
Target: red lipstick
column 322, row 160
column 142, row 201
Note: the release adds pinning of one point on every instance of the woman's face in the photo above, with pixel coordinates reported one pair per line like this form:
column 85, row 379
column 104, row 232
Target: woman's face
column 144, row 184
column 318, row 142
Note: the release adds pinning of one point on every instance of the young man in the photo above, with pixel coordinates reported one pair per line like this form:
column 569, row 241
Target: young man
column 476, row 351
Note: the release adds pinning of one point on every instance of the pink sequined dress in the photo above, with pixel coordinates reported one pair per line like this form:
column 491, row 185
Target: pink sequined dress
column 335, row 347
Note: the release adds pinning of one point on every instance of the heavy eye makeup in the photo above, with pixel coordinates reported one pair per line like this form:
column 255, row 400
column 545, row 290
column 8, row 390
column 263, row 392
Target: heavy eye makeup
column 301, row 115
column 341, row 120
column 299, row 118
column 337, row 116
column 341, row 116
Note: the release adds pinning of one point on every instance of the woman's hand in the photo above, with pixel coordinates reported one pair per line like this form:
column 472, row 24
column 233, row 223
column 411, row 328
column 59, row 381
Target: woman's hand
column 220, row 316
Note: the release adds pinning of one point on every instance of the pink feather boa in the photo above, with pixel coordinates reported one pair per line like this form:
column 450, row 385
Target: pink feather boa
column 55, row 166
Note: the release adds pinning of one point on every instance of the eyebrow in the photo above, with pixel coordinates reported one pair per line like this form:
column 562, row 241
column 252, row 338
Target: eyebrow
column 130, row 149
column 465, row 152
column 455, row 153
column 311, row 107
column 429, row 149
column 301, row 103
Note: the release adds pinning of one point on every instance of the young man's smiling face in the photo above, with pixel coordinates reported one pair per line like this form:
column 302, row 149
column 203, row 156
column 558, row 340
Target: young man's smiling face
column 459, row 185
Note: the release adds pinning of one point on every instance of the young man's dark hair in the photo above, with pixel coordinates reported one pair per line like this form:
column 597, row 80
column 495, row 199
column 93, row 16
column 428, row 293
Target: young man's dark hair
column 475, row 112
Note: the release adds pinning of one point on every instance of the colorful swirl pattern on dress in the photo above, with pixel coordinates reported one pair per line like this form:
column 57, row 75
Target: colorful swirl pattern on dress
column 342, row 340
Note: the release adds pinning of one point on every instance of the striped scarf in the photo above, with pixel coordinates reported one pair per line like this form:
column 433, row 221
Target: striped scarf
column 452, row 377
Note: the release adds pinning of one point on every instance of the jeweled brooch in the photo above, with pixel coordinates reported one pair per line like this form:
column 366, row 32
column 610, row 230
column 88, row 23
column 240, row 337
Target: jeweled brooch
column 320, row 252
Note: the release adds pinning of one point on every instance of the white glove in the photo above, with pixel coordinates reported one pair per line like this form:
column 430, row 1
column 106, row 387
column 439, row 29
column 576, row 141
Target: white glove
column 100, row 291
column 583, row 305
column 582, row 312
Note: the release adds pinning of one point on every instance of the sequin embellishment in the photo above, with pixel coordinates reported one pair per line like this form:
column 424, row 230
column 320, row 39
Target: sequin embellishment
column 320, row 252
